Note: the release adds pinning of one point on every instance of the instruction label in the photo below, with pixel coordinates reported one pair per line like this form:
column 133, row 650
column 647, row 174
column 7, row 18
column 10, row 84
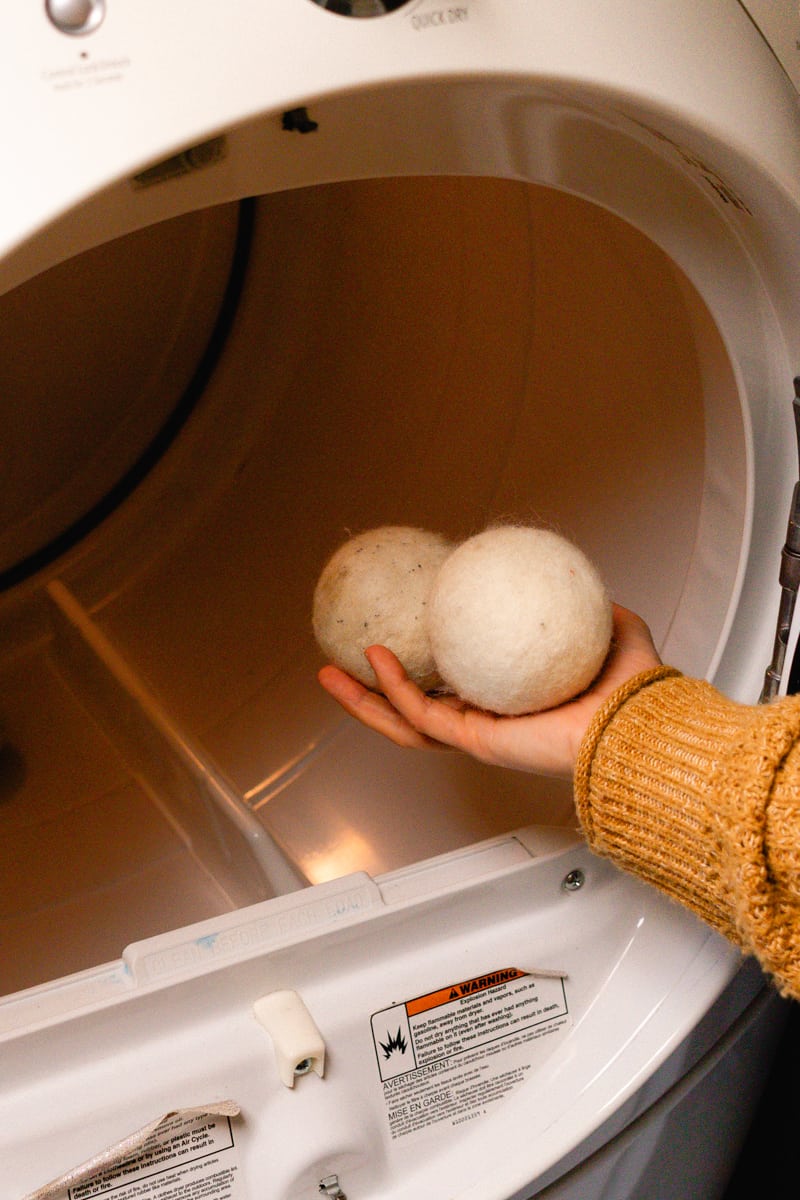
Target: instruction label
column 452, row 1054
column 186, row 1158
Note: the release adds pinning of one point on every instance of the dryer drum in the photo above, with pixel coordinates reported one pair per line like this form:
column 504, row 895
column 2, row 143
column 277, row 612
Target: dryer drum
column 355, row 364
column 86, row 405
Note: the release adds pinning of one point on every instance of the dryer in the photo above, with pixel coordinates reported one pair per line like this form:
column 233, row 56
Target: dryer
column 274, row 272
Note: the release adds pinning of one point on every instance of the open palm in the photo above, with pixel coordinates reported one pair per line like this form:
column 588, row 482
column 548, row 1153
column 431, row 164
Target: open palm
column 545, row 743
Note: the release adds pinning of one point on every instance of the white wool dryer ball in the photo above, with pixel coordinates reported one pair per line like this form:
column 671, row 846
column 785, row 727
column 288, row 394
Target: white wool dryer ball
column 519, row 620
column 374, row 589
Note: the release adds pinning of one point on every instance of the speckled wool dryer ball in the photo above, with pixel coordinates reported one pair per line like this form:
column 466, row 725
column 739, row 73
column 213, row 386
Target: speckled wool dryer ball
column 374, row 589
column 519, row 620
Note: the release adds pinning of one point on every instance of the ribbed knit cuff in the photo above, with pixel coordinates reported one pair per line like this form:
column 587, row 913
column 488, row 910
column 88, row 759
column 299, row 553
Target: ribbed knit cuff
column 756, row 798
column 700, row 797
column 641, row 786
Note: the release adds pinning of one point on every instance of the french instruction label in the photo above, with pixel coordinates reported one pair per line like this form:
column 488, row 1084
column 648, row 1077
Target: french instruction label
column 188, row 1154
column 452, row 1054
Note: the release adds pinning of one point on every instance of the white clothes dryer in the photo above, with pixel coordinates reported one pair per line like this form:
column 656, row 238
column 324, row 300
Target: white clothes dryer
column 271, row 272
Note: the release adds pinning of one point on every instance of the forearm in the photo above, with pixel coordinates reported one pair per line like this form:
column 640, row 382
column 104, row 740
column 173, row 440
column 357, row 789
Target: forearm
column 701, row 797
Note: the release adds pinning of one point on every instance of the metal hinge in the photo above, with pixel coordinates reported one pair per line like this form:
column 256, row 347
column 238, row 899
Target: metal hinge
column 330, row 1186
column 789, row 578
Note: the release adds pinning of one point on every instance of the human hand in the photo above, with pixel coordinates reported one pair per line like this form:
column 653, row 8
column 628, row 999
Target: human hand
column 546, row 743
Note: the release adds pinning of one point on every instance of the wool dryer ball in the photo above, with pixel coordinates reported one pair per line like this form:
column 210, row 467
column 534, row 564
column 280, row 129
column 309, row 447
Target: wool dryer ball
column 374, row 589
column 519, row 620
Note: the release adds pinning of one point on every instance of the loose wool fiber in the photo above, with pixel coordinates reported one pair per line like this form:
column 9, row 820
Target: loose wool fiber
column 374, row 589
column 518, row 620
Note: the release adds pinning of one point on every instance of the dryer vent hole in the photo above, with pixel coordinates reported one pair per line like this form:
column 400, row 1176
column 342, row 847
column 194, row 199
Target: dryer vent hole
column 297, row 120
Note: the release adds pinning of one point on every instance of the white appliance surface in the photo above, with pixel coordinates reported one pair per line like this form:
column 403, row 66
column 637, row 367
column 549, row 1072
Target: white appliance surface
column 91, row 1058
column 269, row 274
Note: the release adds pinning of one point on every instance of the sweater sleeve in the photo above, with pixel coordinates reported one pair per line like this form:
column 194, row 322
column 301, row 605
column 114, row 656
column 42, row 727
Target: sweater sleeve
column 700, row 797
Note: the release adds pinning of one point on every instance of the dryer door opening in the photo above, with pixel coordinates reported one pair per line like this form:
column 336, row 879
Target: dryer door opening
column 444, row 352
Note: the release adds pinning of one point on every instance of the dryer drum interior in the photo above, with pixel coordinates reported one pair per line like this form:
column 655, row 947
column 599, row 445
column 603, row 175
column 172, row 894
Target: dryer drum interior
column 441, row 352
column 216, row 363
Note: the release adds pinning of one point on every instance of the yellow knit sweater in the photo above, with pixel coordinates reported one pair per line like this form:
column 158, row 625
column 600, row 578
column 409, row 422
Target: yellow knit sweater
column 700, row 796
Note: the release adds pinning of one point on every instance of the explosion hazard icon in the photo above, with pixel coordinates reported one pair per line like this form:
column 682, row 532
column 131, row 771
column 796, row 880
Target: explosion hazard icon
column 391, row 1036
column 394, row 1044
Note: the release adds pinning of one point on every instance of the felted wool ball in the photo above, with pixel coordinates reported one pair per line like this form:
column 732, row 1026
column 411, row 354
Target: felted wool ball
column 519, row 620
column 374, row 589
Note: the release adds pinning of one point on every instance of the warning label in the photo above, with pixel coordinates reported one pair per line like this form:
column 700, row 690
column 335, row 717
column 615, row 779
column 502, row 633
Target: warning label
column 186, row 1158
column 452, row 1054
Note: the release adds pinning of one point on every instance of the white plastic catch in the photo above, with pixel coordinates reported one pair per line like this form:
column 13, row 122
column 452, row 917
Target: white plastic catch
column 298, row 1043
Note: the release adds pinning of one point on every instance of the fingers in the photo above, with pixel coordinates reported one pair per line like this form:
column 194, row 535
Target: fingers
column 371, row 709
column 443, row 721
column 402, row 712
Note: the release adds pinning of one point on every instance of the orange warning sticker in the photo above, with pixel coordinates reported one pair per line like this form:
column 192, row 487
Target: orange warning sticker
column 457, row 991
column 451, row 1055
